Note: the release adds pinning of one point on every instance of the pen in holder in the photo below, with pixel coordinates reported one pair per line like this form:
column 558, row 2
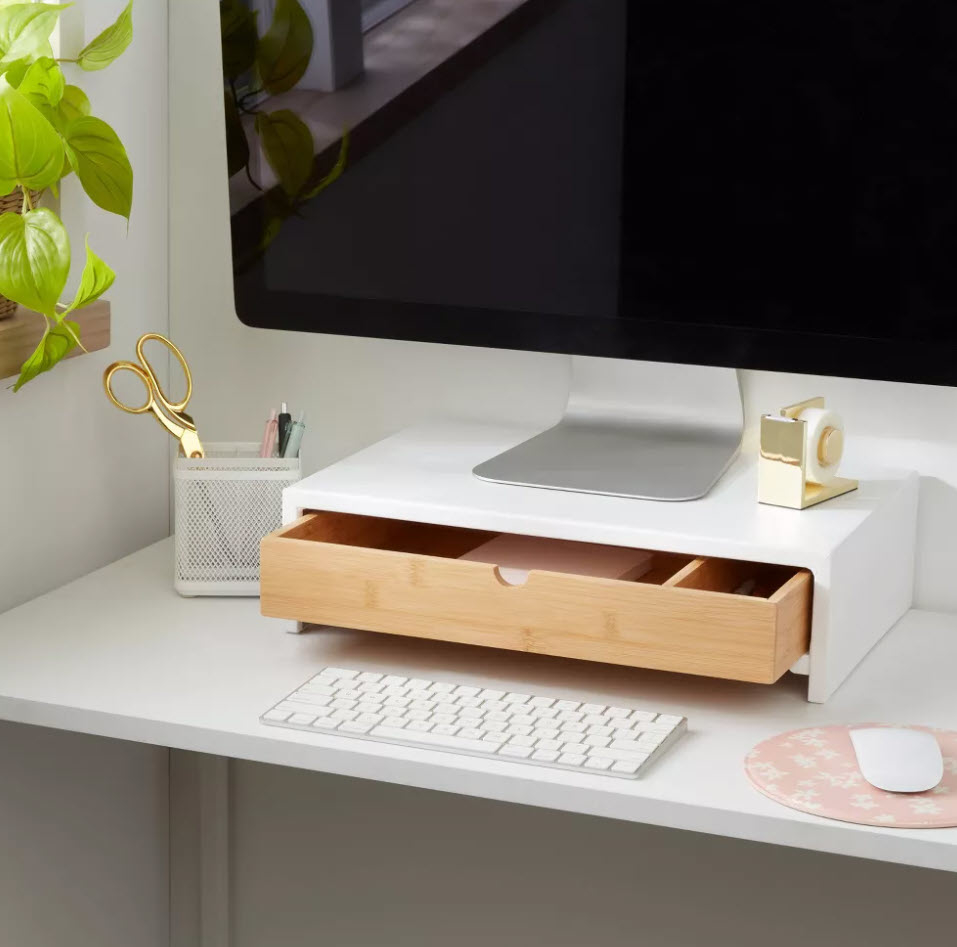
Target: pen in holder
column 225, row 503
column 801, row 450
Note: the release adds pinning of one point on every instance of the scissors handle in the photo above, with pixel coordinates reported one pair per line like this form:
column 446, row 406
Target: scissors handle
column 141, row 374
column 157, row 388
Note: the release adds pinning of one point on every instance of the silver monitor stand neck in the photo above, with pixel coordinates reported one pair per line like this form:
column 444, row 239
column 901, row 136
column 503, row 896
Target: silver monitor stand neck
column 647, row 430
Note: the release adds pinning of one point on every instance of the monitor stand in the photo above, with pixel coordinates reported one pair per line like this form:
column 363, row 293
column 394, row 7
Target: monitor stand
column 647, row 430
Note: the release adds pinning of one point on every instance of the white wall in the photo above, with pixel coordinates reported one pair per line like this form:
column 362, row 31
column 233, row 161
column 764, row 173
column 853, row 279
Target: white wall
column 82, row 484
column 83, row 821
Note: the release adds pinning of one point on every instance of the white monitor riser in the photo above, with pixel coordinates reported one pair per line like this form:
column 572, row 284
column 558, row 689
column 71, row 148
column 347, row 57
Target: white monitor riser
column 860, row 547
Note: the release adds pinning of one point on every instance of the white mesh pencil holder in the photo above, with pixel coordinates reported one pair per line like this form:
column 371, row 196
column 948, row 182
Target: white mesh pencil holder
column 225, row 504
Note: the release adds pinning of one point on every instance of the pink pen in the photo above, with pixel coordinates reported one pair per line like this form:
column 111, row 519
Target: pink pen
column 269, row 436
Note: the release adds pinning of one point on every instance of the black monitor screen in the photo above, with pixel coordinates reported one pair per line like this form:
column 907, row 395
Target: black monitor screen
column 750, row 184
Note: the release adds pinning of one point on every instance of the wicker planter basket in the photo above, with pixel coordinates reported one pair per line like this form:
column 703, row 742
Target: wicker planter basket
column 13, row 202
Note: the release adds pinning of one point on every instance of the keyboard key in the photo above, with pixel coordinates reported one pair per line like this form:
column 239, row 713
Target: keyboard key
column 596, row 741
column 597, row 762
column 343, row 715
column 595, row 720
column 546, row 756
column 396, row 722
column 418, row 684
column 446, row 729
column 313, row 700
column 343, row 673
column 439, row 687
column 471, row 733
column 491, row 695
column 516, row 698
column 545, row 733
column 572, row 759
column 469, row 702
column 523, row 752
column 573, row 716
column 542, row 702
column 626, row 766
column 320, row 690
column 419, row 726
column 618, row 713
column 443, row 718
column 325, row 723
column 393, row 680
column 592, row 708
column 494, row 726
column 471, row 713
column 352, row 726
column 522, row 741
column 277, row 715
column 652, row 740
column 434, row 739
column 417, row 715
column 669, row 718
column 606, row 752
column 546, row 713
column 494, row 704
column 370, row 677
column 599, row 731
column 643, row 715
column 397, row 702
column 549, row 745
column 368, row 708
column 371, row 688
column 349, row 694
column 369, row 718
column 519, row 731
column 567, row 705
column 575, row 748
column 464, row 690
column 341, row 703
column 522, row 720
column 572, row 727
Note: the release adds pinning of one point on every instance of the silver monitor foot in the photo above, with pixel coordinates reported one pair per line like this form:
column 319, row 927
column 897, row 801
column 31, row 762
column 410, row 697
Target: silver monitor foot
column 645, row 430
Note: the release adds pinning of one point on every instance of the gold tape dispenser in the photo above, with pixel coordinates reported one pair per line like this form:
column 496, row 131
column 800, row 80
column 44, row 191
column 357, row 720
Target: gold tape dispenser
column 801, row 451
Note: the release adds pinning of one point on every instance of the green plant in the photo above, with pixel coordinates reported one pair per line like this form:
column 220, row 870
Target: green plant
column 47, row 132
column 255, row 67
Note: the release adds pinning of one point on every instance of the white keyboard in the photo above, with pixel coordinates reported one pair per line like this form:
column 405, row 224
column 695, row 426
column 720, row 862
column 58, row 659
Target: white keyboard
column 497, row 724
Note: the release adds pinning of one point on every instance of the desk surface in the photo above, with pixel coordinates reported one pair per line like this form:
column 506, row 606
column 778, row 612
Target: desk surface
column 119, row 654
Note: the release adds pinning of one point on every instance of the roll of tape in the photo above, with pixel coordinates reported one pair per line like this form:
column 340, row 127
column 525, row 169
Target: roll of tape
column 824, row 440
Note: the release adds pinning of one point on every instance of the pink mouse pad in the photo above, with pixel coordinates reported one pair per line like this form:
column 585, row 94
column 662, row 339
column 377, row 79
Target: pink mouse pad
column 815, row 770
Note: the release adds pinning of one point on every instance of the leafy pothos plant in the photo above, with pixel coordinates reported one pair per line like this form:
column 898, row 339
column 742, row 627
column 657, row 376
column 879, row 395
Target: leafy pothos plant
column 255, row 69
column 47, row 132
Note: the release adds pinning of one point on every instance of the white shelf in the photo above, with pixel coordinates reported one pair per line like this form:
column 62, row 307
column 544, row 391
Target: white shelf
column 119, row 654
column 860, row 547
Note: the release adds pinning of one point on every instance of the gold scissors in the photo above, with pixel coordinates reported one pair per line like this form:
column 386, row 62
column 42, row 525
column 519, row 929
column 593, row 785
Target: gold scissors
column 170, row 414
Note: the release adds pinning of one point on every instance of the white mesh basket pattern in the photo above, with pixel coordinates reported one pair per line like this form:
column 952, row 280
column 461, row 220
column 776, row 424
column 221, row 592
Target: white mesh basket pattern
column 225, row 504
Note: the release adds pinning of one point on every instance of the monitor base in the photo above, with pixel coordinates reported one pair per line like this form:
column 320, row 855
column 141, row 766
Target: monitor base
column 645, row 430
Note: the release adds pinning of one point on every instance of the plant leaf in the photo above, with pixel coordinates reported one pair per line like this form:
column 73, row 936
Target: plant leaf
column 31, row 152
column 42, row 85
column 240, row 38
column 73, row 105
column 335, row 173
column 34, row 259
column 101, row 163
column 237, row 147
column 289, row 147
column 97, row 278
column 57, row 342
column 110, row 44
column 25, row 28
column 284, row 52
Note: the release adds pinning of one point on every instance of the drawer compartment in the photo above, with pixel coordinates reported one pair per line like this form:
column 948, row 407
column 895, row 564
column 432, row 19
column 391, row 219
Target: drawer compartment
column 715, row 617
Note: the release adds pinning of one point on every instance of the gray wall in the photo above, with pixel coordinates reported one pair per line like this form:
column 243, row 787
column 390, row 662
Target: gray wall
column 352, row 863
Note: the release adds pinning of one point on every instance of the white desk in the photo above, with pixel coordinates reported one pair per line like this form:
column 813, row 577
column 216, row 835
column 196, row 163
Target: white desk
column 119, row 654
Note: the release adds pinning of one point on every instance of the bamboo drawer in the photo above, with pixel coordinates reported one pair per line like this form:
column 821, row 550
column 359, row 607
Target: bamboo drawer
column 405, row 578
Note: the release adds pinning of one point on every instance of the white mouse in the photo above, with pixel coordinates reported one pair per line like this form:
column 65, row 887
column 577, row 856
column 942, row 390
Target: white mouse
column 897, row 759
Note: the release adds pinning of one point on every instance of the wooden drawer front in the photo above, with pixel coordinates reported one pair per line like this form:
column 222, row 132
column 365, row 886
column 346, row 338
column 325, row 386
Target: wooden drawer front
column 405, row 578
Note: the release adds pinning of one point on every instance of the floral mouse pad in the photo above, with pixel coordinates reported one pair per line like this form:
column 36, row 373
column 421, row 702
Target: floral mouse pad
column 815, row 770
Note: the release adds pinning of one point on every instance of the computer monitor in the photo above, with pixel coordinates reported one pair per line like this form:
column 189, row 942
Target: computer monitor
column 720, row 185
